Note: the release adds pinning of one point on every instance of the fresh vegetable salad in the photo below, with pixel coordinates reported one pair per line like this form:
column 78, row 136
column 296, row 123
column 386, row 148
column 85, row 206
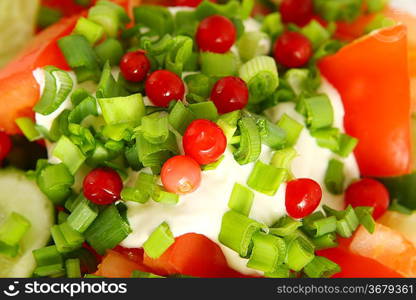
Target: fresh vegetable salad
column 204, row 139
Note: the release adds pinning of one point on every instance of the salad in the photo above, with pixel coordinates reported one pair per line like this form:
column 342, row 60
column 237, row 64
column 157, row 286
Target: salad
column 204, row 139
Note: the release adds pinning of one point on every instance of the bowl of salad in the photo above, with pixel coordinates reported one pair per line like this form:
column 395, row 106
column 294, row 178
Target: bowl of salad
column 189, row 138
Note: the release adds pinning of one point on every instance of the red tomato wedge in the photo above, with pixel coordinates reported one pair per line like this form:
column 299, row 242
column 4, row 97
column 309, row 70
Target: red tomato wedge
column 388, row 247
column 371, row 75
column 193, row 255
column 18, row 88
column 117, row 265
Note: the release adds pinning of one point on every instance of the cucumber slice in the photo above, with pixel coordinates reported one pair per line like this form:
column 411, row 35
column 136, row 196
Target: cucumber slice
column 21, row 195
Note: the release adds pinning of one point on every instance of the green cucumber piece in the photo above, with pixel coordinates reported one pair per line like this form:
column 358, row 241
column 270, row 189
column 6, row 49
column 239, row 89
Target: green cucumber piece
column 21, row 195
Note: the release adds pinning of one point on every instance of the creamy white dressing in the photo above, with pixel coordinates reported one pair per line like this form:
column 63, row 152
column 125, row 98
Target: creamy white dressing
column 201, row 211
column 408, row 6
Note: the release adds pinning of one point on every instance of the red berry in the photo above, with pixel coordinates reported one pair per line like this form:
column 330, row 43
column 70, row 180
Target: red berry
column 229, row 94
column 299, row 12
column 181, row 174
column 5, row 145
column 216, row 34
column 368, row 192
column 204, row 141
column 303, row 196
column 292, row 49
column 134, row 66
column 102, row 186
column 163, row 86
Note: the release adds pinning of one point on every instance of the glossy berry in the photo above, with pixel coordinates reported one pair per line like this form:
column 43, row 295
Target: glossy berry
column 368, row 192
column 190, row 3
column 163, row 86
column 299, row 12
column 292, row 49
column 102, row 186
column 135, row 66
column 303, row 196
column 181, row 174
column 204, row 141
column 216, row 34
column 229, row 94
column 5, row 145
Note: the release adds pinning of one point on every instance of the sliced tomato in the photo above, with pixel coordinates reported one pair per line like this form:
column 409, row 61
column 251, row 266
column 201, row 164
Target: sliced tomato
column 371, row 75
column 18, row 88
column 193, row 255
column 388, row 247
column 117, row 265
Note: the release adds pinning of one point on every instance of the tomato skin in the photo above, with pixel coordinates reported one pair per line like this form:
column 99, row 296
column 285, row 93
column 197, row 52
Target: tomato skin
column 134, row 66
column 368, row 192
column 163, row 86
column 5, row 145
column 292, row 49
column 376, row 99
column 181, row 174
column 302, row 197
column 229, row 93
column 117, row 265
column 204, row 141
column 216, row 34
column 299, row 12
column 102, row 186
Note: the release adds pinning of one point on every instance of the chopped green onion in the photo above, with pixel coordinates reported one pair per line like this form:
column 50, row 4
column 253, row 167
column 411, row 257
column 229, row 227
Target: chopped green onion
column 82, row 137
column 292, row 128
column 260, row 74
column 55, row 182
column 246, row 8
column 47, row 256
column 326, row 241
column 162, row 196
column 297, row 79
column 82, row 215
column 132, row 157
column 317, row 225
column 83, row 2
column 156, row 18
column 62, row 217
column 266, row 179
column 159, row 241
column 73, row 268
column 374, row 6
column 285, row 226
column 207, row 8
column 141, row 274
column 273, row 25
column 204, row 110
column 347, row 220
column 66, row 239
column 186, row 23
column 199, row 87
column 155, row 128
column 250, row 145
column 92, row 31
column 87, row 107
column 69, row 154
column 299, row 254
column 110, row 50
column 48, row 16
column 60, row 126
column 364, row 215
column 315, row 33
column 334, row 177
column 281, row 271
column 49, row 270
column 144, row 188
column 121, row 12
column 12, row 231
column 253, row 44
column 282, row 159
column 321, row 267
column 118, row 132
column 52, row 97
column 80, row 57
column 268, row 252
column 108, row 230
column 228, row 123
column 28, row 127
column 214, row 165
column 336, row 10
column 347, row 144
column 219, row 64
column 179, row 54
column 319, row 112
column 108, row 87
column 152, row 155
column 106, row 17
column 271, row 134
column 180, row 117
column 241, row 199
column 115, row 112
column 327, row 138
column 237, row 231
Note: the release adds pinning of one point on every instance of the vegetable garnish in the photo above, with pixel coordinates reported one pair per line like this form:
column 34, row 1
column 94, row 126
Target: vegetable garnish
column 184, row 130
